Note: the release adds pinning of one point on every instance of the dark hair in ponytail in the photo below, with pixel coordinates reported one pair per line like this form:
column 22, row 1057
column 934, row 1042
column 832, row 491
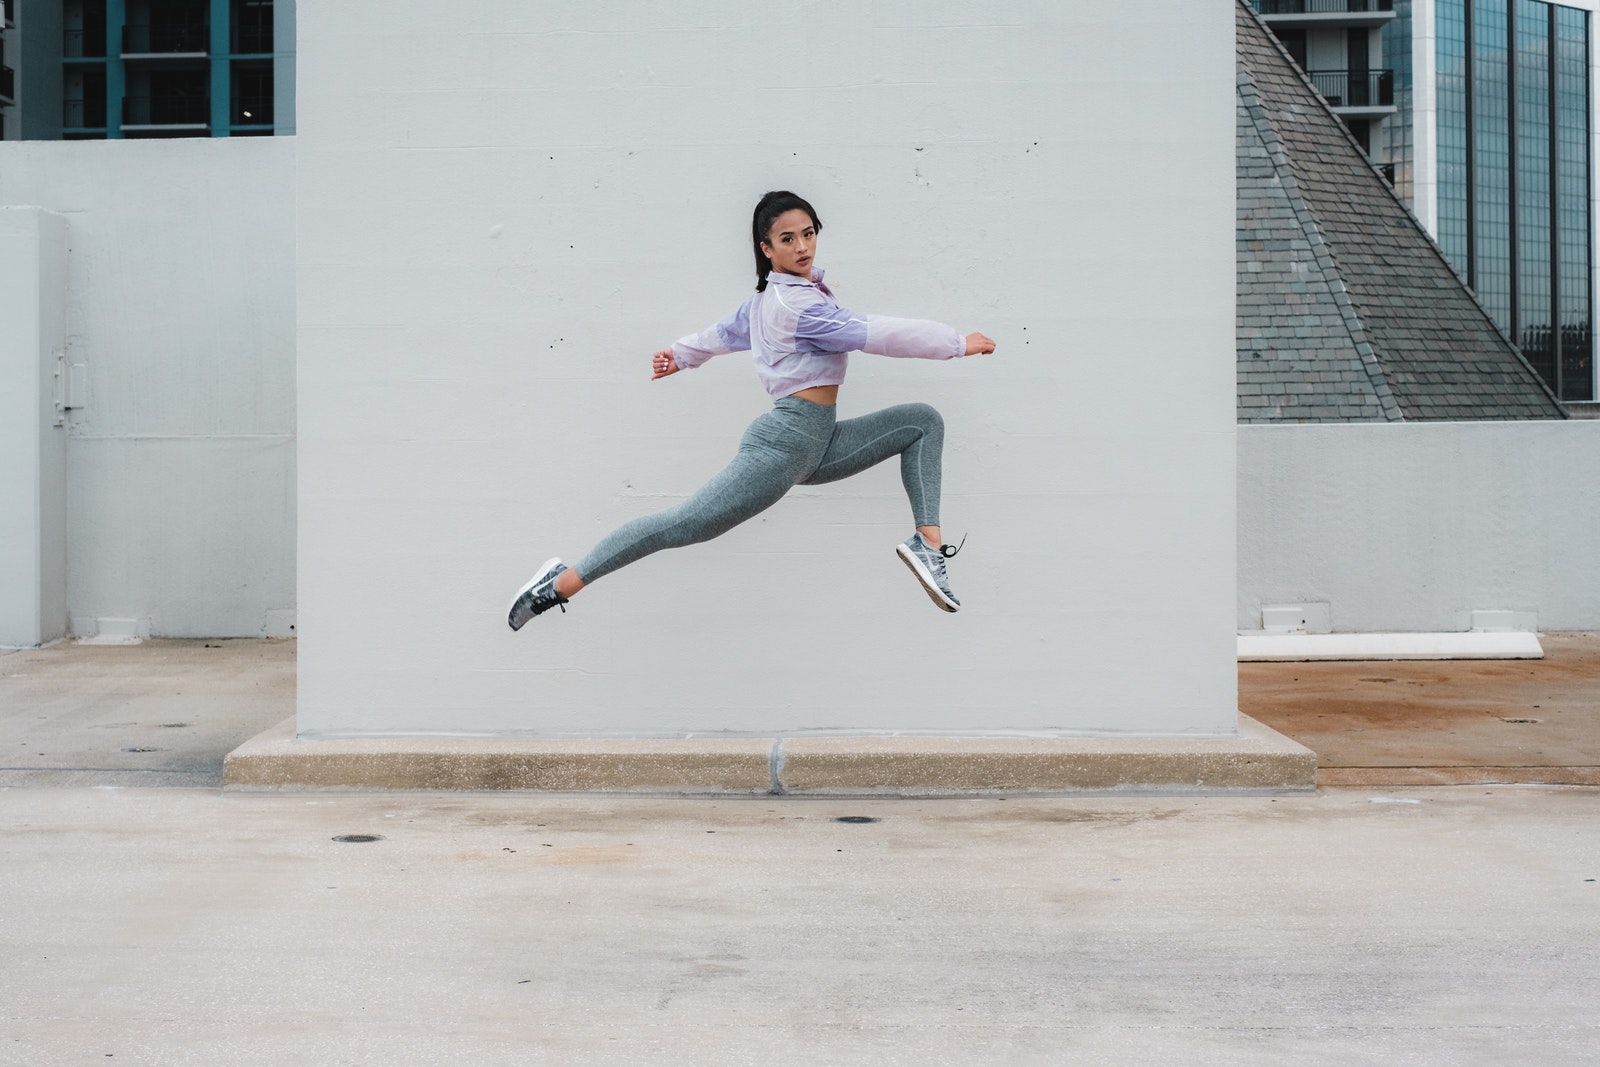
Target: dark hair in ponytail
column 768, row 208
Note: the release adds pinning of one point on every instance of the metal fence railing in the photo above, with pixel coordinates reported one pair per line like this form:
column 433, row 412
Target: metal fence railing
column 84, row 114
column 165, row 111
column 1321, row 7
column 253, row 111
column 162, row 38
column 1355, row 88
column 253, row 40
column 87, row 43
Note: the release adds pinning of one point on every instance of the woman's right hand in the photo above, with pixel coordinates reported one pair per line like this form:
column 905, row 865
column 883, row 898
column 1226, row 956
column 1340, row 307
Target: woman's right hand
column 663, row 363
column 978, row 345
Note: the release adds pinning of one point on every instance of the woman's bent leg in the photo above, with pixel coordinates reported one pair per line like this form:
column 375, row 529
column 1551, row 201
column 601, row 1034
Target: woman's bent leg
column 914, row 432
column 758, row 477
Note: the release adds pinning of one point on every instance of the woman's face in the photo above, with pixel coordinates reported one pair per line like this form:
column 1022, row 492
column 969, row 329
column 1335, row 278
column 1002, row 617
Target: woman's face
column 791, row 243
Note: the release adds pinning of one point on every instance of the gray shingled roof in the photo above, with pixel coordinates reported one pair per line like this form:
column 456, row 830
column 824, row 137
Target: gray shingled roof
column 1347, row 310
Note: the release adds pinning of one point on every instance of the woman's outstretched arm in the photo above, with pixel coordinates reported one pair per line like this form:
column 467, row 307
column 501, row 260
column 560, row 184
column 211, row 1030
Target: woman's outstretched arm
column 829, row 328
column 732, row 334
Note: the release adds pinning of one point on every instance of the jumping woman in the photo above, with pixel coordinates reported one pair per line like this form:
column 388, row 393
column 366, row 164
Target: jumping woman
column 801, row 340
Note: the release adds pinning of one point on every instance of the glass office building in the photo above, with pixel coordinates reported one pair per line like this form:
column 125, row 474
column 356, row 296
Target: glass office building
column 1514, row 174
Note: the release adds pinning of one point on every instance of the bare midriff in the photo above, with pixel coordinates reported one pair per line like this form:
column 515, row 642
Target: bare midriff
column 826, row 395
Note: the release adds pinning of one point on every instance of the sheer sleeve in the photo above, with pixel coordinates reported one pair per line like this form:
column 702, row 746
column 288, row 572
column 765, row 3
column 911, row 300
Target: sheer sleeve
column 830, row 328
column 732, row 334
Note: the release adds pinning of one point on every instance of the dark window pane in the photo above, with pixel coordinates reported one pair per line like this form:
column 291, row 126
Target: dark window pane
column 1534, row 251
column 1451, row 60
column 1572, row 197
column 1491, row 274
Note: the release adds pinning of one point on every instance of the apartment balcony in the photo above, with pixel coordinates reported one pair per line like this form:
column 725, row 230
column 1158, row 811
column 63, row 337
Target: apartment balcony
column 184, row 40
column 84, row 114
column 87, row 43
column 166, row 113
column 253, row 111
column 11, row 13
column 1356, row 94
column 1330, row 13
column 253, row 40
column 8, row 86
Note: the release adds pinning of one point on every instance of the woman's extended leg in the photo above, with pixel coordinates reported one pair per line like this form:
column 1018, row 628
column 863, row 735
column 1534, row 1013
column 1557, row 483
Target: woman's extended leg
column 775, row 453
column 914, row 432
column 778, row 449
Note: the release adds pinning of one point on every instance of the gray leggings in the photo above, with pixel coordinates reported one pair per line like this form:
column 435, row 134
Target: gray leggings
column 796, row 443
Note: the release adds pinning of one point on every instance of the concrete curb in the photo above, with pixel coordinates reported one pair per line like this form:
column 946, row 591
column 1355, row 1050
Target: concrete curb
column 276, row 759
column 1258, row 759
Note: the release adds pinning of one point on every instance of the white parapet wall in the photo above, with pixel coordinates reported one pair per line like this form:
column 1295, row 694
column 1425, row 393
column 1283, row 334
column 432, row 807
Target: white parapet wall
column 502, row 212
column 178, row 297
column 1415, row 527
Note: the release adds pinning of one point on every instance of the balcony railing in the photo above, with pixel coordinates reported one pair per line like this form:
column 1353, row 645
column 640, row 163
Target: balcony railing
column 84, row 114
column 253, row 40
column 1355, row 88
column 87, row 43
column 166, row 111
column 163, row 39
column 8, row 85
column 1322, row 7
column 253, row 111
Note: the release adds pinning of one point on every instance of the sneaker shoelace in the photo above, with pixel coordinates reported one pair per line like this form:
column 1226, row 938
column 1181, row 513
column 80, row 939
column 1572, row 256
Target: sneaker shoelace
column 936, row 558
column 543, row 597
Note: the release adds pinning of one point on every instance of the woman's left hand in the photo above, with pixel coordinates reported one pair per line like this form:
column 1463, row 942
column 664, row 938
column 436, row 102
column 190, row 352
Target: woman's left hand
column 663, row 363
column 978, row 345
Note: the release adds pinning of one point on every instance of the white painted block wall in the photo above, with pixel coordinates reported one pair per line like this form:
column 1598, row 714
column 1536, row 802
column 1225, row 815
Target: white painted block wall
column 33, row 558
column 1415, row 526
column 179, row 310
column 502, row 212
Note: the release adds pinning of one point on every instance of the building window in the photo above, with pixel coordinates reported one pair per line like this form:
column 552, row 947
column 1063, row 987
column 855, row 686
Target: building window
column 252, row 27
column 252, row 94
column 1513, row 135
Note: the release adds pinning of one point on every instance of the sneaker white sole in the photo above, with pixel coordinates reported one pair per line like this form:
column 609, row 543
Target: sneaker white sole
column 543, row 573
column 924, row 576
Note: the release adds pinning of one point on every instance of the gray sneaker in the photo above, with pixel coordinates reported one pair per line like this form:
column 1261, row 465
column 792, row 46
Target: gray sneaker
column 927, row 563
column 538, row 596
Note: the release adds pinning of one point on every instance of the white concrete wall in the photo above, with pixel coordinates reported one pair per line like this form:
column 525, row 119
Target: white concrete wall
column 502, row 212
column 33, row 563
column 1412, row 527
column 180, row 317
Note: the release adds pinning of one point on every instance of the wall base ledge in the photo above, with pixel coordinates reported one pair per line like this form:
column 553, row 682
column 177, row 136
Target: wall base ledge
column 1255, row 760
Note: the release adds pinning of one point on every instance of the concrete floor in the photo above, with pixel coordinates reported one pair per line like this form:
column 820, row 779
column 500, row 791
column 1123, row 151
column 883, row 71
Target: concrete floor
column 168, row 923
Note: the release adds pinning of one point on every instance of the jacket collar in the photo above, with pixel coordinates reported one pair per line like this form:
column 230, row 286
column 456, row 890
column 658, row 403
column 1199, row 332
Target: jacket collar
column 779, row 278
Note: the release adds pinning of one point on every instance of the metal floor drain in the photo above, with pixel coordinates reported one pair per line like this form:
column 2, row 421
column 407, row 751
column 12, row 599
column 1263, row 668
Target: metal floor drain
column 855, row 818
column 138, row 748
column 358, row 839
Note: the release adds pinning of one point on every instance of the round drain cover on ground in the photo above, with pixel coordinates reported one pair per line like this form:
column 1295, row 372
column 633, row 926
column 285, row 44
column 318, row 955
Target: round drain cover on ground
column 359, row 838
